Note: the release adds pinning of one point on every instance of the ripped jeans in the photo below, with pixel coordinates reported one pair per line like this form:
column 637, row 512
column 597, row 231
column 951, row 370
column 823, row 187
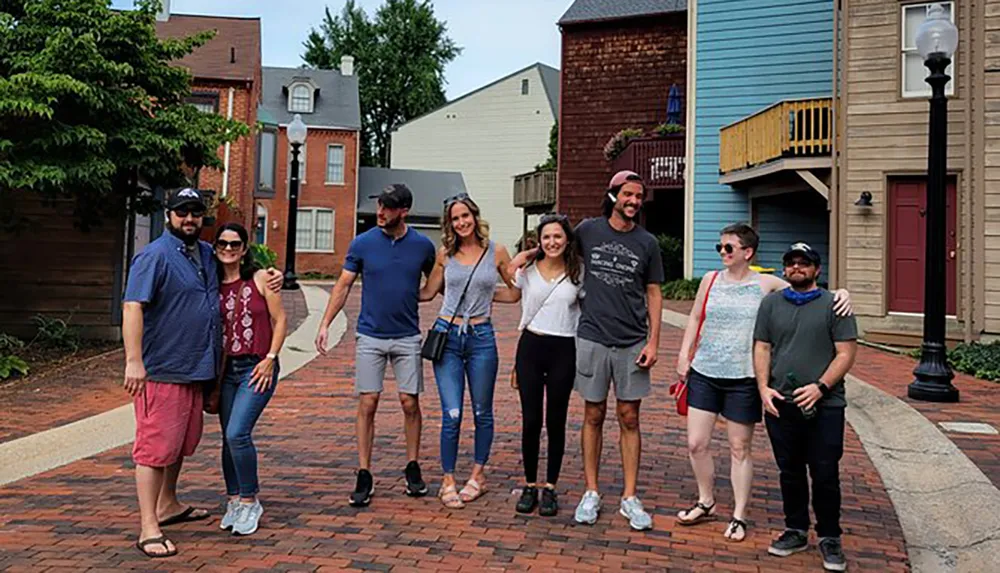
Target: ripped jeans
column 470, row 355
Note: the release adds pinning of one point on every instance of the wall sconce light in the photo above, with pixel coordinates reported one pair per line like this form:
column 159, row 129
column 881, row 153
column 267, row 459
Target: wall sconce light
column 865, row 200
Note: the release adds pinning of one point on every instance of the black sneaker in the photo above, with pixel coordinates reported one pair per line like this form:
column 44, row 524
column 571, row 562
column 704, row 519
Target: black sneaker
column 362, row 495
column 833, row 554
column 415, row 486
column 789, row 542
column 529, row 499
column 550, row 504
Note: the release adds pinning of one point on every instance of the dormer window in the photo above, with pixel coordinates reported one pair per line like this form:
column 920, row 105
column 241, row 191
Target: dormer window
column 300, row 98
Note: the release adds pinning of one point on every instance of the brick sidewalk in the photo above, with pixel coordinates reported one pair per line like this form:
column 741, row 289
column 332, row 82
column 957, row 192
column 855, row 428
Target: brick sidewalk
column 84, row 515
column 85, row 389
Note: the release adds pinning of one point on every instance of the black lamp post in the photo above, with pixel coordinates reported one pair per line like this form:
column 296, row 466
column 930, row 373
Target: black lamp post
column 937, row 39
column 296, row 137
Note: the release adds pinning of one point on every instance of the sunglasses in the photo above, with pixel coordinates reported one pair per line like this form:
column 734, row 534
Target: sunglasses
column 456, row 198
column 728, row 248
column 801, row 263
column 183, row 212
column 552, row 217
column 223, row 244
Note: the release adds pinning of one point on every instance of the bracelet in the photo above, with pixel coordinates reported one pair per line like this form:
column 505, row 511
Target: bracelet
column 272, row 356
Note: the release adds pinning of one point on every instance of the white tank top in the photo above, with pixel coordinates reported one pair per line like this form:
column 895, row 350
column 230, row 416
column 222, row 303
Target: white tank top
column 726, row 346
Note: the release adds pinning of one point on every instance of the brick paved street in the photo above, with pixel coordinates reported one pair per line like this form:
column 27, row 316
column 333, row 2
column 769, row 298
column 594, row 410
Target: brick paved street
column 84, row 515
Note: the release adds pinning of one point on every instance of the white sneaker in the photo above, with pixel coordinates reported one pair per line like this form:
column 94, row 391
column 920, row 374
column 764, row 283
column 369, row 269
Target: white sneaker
column 589, row 508
column 248, row 518
column 637, row 517
column 230, row 518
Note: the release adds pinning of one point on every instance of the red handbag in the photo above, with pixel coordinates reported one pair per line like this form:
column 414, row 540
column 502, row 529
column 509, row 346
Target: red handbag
column 679, row 389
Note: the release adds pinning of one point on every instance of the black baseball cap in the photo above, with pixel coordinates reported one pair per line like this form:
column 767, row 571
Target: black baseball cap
column 395, row 196
column 186, row 197
column 804, row 250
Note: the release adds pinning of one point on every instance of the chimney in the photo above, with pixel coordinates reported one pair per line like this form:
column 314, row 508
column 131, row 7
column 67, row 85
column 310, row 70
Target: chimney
column 164, row 14
column 347, row 66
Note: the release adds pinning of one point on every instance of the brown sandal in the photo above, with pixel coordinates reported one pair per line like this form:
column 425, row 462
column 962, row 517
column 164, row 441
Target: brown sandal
column 161, row 540
column 707, row 514
column 450, row 498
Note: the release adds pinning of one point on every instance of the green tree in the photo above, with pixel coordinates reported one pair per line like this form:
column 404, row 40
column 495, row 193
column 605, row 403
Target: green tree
column 400, row 58
column 552, row 163
column 90, row 103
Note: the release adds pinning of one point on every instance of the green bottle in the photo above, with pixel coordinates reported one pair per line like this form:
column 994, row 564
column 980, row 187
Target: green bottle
column 807, row 413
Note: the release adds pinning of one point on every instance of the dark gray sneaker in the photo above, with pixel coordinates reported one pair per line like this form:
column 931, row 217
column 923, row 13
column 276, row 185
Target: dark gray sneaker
column 364, row 489
column 833, row 554
column 415, row 486
column 789, row 542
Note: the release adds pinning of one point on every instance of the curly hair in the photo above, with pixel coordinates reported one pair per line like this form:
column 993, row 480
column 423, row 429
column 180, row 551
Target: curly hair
column 449, row 240
column 572, row 256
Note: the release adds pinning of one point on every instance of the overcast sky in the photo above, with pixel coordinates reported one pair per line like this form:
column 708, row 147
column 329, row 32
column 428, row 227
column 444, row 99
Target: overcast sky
column 497, row 36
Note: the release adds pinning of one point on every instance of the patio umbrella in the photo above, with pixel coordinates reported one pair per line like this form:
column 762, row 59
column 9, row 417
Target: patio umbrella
column 674, row 105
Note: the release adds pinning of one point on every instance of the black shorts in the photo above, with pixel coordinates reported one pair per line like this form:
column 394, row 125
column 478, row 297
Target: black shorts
column 737, row 399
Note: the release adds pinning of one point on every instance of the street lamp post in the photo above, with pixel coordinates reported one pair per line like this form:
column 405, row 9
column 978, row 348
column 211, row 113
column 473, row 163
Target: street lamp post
column 937, row 39
column 296, row 137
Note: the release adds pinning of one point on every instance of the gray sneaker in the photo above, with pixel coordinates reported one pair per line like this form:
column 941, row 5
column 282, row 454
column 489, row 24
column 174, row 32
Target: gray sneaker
column 637, row 517
column 833, row 554
column 789, row 542
column 589, row 508
column 248, row 517
column 231, row 512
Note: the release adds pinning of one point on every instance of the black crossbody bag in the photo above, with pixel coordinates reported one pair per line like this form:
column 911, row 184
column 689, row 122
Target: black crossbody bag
column 433, row 348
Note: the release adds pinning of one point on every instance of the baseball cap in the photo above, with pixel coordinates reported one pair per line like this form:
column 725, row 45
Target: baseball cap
column 804, row 250
column 622, row 177
column 185, row 196
column 395, row 196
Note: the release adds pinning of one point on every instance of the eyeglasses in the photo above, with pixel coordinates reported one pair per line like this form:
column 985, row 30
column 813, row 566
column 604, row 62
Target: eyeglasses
column 728, row 247
column 223, row 244
column 183, row 212
column 455, row 198
column 552, row 217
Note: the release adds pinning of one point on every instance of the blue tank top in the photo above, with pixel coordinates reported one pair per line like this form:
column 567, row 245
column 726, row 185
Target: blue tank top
column 478, row 300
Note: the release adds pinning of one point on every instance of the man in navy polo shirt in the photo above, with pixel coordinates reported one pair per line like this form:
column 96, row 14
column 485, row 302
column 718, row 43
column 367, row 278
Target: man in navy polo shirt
column 391, row 259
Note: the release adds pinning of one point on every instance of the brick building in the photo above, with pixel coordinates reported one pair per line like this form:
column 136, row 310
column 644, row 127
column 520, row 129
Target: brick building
column 328, row 102
column 620, row 59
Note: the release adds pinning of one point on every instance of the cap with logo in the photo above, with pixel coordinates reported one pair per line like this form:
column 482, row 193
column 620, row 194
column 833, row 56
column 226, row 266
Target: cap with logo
column 395, row 196
column 186, row 197
column 804, row 250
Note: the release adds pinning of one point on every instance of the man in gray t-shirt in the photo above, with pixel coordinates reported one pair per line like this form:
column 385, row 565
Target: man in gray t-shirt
column 802, row 351
column 618, row 335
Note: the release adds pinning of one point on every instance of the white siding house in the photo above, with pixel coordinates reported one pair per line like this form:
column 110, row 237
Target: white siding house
column 489, row 136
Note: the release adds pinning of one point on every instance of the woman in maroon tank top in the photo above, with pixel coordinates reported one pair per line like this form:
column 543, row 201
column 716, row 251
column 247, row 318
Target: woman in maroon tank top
column 253, row 330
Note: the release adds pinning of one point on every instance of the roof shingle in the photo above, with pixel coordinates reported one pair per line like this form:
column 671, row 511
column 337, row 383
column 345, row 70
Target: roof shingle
column 336, row 105
column 598, row 10
column 233, row 54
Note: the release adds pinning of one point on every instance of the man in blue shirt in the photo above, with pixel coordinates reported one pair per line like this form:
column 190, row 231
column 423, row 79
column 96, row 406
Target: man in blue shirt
column 171, row 331
column 390, row 259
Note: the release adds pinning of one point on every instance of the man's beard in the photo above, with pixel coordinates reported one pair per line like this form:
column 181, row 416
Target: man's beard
column 392, row 224
column 624, row 215
column 802, row 283
column 182, row 235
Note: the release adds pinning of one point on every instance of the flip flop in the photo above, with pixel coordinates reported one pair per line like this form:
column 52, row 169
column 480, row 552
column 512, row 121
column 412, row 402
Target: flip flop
column 707, row 514
column 186, row 516
column 472, row 491
column 141, row 546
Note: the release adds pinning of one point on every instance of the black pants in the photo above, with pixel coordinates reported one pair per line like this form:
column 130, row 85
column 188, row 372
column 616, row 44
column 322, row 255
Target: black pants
column 817, row 444
column 545, row 364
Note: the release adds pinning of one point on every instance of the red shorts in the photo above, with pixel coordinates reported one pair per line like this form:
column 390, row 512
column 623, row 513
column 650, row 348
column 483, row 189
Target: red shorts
column 168, row 423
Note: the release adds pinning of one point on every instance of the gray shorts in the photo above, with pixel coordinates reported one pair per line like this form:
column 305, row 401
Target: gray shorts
column 371, row 355
column 598, row 365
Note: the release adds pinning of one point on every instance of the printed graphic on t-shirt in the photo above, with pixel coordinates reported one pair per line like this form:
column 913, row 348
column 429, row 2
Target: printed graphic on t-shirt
column 241, row 335
column 614, row 264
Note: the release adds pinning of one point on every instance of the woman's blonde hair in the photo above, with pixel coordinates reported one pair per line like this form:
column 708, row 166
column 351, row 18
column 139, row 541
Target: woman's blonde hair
column 449, row 240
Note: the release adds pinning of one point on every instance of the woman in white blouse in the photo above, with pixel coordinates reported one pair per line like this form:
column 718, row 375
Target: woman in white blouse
column 549, row 290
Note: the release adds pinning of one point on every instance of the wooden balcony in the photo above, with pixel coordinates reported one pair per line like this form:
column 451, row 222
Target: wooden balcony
column 535, row 190
column 658, row 160
column 787, row 129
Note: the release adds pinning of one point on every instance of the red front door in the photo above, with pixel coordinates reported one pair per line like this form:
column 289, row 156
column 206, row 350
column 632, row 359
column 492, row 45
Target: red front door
column 907, row 238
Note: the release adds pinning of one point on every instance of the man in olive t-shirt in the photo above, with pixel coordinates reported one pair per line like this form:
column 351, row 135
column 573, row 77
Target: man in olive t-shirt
column 802, row 351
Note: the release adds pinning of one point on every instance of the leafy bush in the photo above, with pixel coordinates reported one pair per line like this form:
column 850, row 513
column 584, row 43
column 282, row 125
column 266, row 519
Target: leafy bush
column 975, row 359
column 316, row 276
column 668, row 129
column 10, row 363
column 553, row 160
column 681, row 289
column 672, row 255
column 56, row 333
column 263, row 256
column 619, row 141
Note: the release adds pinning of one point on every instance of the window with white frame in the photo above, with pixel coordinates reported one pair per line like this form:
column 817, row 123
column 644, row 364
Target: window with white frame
column 914, row 73
column 314, row 230
column 302, row 163
column 268, row 142
column 300, row 99
column 524, row 87
column 334, row 164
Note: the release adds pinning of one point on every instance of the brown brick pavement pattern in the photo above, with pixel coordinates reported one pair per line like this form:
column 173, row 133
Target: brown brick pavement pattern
column 84, row 515
column 84, row 389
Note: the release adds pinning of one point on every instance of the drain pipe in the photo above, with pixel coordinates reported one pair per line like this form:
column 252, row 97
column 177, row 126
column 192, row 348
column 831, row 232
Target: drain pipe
column 225, row 173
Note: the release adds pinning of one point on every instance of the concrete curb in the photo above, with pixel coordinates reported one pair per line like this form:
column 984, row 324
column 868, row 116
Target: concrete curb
column 948, row 509
column 41, row 452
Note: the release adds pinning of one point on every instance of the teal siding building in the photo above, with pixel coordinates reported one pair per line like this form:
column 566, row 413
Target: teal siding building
column 749, row 55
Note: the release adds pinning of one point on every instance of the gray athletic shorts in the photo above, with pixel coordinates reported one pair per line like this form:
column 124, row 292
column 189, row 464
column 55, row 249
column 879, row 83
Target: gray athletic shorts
column 371, row 355
column 598, row 365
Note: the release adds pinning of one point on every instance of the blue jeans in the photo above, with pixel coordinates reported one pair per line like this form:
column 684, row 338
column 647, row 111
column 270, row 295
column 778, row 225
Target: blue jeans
column 239, row 407
column 470, row 354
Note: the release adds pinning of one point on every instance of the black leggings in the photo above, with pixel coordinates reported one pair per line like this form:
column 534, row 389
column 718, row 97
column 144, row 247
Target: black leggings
column 544, row 363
